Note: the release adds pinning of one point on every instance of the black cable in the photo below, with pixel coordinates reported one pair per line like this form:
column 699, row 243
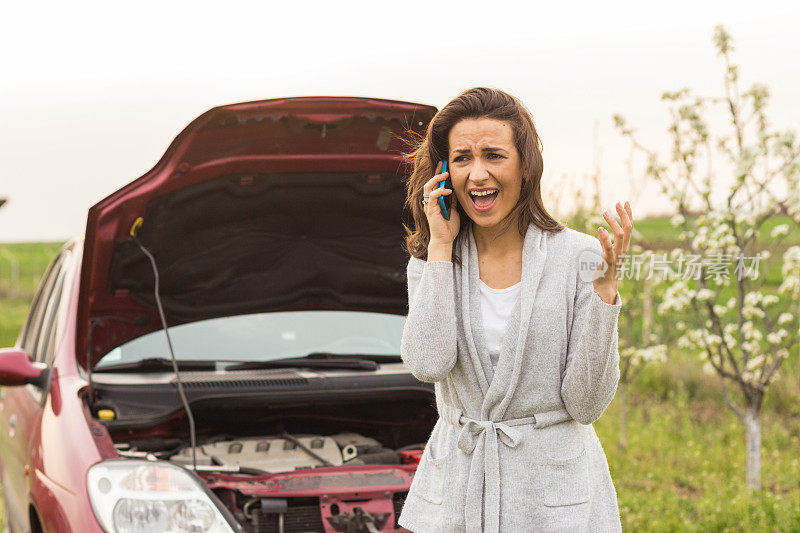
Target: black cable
column 305, row 448
column 182, row 394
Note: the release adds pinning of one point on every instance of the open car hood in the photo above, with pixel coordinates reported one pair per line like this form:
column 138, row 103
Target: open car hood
column 274, row 205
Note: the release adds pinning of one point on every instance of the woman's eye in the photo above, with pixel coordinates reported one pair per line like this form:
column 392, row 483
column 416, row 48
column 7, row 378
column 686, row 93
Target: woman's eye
column 495, row 156
column 459, row 158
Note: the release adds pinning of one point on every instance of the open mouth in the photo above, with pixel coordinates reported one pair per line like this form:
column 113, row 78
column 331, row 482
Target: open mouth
column 484, row 200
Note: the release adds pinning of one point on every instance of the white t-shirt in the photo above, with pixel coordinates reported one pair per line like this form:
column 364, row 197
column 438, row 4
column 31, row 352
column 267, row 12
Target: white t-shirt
column 496, row 308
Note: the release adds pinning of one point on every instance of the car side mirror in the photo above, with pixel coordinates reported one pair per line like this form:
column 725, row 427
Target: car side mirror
column 17, row 368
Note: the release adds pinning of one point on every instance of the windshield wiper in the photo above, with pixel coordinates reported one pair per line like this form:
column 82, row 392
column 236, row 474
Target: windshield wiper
column 366, row 362
column 317, row 360
column 157, row 364
column 377, row 357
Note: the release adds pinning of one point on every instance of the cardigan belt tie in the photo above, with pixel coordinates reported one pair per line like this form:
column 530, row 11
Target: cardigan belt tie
column 479, row 438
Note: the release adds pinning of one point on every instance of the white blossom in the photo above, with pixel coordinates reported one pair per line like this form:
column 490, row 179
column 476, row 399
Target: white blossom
column 653, row 353
column 791, row 285
column 701, row 238
column 755, row 363
column 773, row 338
column 779, row 231
column 676, row 298
column 705, row 294
column 791, row 272
column 770, row 299
column 750, row 332
column 750, row 346
column 752, row 312
column 730, row 341
column 713, row 340
column 753, row 298
column 792, row 255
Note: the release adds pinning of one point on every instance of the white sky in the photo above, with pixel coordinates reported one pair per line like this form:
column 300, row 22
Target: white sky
column 91, row 94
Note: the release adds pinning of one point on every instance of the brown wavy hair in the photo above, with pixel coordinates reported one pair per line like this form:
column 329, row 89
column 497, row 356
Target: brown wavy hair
column 427, row 150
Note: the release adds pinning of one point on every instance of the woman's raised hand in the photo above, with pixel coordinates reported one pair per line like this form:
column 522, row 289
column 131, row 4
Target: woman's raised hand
column 442, row 231
column 613, row 253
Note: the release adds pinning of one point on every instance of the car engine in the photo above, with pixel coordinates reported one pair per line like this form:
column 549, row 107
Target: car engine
column 286, row 452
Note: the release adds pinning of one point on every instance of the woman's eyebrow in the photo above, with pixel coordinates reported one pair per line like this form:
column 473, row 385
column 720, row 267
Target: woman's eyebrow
column 485, row 149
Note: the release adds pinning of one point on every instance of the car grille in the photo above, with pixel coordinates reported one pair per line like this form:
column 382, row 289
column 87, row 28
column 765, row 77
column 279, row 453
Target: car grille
column 298, row 519
column 245, row 383
column 308, row 519
column 245, row 379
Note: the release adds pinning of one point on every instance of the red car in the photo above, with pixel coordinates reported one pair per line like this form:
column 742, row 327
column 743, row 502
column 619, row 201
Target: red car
column 220, row 352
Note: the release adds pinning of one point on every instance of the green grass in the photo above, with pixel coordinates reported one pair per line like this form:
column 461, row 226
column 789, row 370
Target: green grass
column 659, row 233
column 32, row 260
column 684, row 467
column 16, row 291
column 12, row 315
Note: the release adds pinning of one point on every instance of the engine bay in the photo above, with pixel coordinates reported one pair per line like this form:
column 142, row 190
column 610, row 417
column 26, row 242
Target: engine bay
column 289, row 463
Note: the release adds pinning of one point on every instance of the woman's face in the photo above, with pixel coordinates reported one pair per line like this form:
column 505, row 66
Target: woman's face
column 483, row 157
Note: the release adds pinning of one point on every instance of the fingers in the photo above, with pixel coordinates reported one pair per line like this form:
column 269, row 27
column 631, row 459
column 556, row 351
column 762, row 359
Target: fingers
column 434, row 190
column 436, row 193
column 623, row 231
column 433, row 200
column 605, row 240
column 619, row 235
column 613, row 251
column 627, row 227
column 433, row 183
column 630, row 227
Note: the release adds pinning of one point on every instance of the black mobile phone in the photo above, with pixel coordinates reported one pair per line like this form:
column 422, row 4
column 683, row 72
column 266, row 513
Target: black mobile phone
column 444, row 201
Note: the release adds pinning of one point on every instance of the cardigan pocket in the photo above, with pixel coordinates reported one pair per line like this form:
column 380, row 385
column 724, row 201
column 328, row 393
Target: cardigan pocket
column 567, row 480
column 428, row 482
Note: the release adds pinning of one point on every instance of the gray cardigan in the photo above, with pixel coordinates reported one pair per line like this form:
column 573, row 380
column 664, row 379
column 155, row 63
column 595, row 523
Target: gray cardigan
column 514, row 449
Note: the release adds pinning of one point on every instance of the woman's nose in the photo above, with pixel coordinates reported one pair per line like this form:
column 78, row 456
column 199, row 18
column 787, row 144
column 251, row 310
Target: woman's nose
column 478, row 171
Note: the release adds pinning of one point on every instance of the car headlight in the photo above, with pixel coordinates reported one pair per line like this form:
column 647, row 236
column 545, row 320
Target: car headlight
column 130, row 496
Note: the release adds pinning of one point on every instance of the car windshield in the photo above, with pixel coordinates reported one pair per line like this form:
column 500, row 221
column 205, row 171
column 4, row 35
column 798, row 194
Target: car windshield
column 268, row 337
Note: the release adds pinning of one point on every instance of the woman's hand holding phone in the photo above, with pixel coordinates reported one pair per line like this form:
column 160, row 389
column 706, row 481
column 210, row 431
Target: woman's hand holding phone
column 443, row 232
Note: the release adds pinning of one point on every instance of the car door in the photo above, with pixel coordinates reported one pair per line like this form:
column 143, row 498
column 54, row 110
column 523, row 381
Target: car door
column 22, row 406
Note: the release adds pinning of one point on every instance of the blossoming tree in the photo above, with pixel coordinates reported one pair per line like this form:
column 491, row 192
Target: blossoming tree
column 743, row 329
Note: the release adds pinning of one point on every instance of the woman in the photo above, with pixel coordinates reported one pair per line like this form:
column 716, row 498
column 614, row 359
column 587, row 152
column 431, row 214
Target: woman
column 514, row 318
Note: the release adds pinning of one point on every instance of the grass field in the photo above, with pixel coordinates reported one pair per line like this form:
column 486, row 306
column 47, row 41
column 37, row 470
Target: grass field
column 683, row 469
column 684, row 466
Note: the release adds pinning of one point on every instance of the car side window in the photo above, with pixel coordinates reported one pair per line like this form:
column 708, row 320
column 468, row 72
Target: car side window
column 33, row 323
column 28, row 326
column 47, row 334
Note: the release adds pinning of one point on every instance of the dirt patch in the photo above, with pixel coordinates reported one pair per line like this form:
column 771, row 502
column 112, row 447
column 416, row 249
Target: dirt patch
column 703, row 412
column 686, row 490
